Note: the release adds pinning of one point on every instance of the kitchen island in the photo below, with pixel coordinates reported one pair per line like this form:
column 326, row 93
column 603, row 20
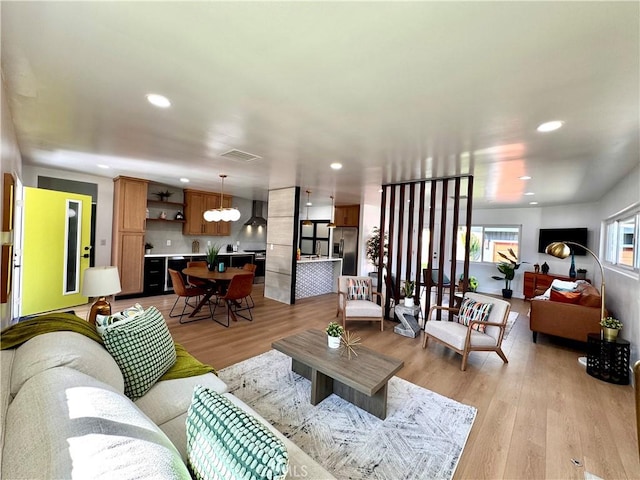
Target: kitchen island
column 317, row 276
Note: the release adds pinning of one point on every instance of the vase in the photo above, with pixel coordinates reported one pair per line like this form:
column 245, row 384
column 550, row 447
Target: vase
column 211, row 266
column 572, row 268
column 334, row 342
column 408, row 302
column 610, row 334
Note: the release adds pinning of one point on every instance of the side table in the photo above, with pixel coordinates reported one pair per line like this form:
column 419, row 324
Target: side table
column 408, row 317
column 608, row 361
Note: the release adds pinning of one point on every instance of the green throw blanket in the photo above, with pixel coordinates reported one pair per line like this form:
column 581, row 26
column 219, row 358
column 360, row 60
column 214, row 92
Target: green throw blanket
column 14, row 336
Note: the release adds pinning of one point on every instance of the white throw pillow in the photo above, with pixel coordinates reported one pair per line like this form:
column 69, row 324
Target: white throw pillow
column 561, row 286
column 103, row 321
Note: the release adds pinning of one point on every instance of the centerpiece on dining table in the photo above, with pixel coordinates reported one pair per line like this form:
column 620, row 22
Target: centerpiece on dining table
column 212, row 256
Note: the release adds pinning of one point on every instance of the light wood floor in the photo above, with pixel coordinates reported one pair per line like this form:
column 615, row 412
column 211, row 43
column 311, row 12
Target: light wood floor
column 535, row 414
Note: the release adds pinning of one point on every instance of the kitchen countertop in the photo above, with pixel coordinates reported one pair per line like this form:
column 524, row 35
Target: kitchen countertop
column 151, row 255
column 321, row 259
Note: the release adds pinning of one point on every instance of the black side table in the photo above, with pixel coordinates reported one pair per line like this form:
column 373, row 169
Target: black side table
column 608, row 361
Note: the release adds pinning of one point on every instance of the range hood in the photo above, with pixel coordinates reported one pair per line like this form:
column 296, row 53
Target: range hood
column 256, row 220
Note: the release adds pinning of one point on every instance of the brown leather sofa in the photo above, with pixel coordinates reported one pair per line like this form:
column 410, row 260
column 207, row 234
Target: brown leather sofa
column 567, row 320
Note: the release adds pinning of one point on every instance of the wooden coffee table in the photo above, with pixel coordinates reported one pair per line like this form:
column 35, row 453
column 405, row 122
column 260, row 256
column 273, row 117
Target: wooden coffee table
column 361, row 380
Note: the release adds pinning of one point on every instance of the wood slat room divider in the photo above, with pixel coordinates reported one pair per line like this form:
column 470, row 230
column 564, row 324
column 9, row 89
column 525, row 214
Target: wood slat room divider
column 405, row 209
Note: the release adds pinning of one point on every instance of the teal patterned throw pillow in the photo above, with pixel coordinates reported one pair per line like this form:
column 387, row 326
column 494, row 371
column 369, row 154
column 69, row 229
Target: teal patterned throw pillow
column 224, row 441
column 143, row 349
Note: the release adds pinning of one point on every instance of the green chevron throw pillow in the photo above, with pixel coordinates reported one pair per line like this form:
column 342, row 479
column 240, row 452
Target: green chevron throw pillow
column 143, row 349
column 224, row 441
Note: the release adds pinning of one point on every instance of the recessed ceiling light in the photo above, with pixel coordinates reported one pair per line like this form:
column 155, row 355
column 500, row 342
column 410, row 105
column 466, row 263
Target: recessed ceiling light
column 525, row 177
column 184, row 180
column 550, row 126
column 158, row 100
column 529, row 193
column 101, row 165
column 533, row 203
column 336, row 166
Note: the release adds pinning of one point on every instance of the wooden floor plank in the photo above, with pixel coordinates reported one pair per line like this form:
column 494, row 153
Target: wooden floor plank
column 535, row 413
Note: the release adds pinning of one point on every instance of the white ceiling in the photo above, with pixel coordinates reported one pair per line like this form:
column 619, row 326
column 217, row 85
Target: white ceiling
column 394, row 91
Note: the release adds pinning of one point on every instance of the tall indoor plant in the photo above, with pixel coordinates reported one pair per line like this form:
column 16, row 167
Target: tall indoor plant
column 508, row 269
column 212, row 256
column 373, row 248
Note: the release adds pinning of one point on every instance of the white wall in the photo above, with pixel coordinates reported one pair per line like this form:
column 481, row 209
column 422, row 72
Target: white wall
column 623, row 286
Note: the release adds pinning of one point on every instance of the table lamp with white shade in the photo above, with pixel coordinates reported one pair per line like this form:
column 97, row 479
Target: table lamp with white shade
column 100, row 282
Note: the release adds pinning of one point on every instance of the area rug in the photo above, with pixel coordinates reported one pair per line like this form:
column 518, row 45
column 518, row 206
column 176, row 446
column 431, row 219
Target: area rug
column 422, row 437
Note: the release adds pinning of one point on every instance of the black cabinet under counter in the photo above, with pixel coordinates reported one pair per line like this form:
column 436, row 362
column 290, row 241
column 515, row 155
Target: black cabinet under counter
column 154, row 275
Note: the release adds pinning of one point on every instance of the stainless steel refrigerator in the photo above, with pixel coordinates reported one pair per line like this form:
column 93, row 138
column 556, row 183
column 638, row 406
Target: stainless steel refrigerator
column 345, row 246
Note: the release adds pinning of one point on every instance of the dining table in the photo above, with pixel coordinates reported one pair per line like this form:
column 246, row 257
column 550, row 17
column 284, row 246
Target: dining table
column 219, row 281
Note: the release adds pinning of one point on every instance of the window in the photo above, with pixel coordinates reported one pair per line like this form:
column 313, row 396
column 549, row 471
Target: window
column 487, row 241
column 622, row 235
column 315, row 235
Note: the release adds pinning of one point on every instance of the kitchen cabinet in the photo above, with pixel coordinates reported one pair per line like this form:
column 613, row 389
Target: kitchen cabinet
column 154, row 276
column 347, row 215
column 129, row 212
column 196, row 203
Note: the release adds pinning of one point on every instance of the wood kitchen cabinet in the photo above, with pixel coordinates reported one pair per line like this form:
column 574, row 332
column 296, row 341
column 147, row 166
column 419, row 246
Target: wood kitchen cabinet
column 129, row 215
column 196, row 203
column 347, row 216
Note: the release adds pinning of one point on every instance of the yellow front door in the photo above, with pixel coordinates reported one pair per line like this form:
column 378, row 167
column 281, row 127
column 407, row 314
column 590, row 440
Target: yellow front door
column 56, row 243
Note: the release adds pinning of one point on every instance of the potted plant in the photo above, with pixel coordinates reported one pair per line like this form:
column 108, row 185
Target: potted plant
column 373, row 248
column 163, row 195
column 581, row 274
column 472, row 283
column 610, row 328
column 147, row 248
column 508, row 269
column 407, row 289
column 334, row 331
column 212, row 256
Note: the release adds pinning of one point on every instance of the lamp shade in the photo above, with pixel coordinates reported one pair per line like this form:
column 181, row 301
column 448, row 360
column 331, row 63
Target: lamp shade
column 100, row 282
column 558, row 250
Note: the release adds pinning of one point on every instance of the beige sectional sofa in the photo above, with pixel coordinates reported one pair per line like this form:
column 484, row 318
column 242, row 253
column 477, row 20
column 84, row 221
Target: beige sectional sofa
column 64, row 415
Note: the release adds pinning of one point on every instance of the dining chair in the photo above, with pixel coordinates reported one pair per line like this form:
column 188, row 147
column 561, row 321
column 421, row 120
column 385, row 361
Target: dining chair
column 250, row 267
column 236, row 298
column 193, row 281
column 186, row 292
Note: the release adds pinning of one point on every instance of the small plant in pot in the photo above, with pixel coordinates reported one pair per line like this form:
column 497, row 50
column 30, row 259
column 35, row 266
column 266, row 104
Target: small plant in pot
column 472, row 283
column 163, row 195
column 581, row 274
column 610, row 328
column 407, row 289
column 147, row 247
column 212, row 256
column 334, row 331
column 508, row 269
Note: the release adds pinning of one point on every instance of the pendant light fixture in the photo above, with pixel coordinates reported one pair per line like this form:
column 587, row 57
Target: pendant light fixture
column 307, row 222
column 222, row 214
column 331, row 224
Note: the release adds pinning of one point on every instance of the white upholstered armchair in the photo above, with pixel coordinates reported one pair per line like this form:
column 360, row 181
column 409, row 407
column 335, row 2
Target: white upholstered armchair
column 356, row 300
column 480, row 325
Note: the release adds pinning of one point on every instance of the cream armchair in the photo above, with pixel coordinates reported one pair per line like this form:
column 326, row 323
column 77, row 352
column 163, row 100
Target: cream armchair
column 466, row 338
column 356, row 300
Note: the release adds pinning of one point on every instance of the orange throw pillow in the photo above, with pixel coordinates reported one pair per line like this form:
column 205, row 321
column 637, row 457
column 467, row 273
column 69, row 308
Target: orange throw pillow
column 589, row 300
column 564, row 297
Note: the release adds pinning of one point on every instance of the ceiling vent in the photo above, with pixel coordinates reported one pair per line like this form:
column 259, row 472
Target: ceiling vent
column 239, row 155
column 256, row 220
